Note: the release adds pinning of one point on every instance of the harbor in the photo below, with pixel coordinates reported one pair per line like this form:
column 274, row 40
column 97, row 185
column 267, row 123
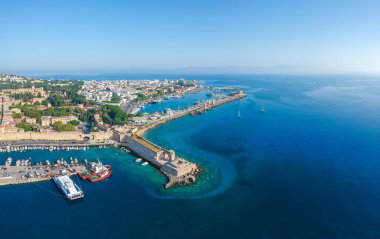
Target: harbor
column 178, row 170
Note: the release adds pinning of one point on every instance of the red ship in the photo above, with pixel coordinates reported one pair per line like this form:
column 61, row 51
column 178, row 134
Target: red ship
column 106, row 173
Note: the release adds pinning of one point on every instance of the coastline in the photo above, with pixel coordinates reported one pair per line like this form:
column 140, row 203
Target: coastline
column 187, row 179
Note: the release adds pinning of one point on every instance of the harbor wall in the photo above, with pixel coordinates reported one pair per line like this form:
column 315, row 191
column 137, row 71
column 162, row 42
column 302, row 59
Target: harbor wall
column 55, row 136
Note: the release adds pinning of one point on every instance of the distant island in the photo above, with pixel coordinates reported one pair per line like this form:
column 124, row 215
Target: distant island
column 63, row 113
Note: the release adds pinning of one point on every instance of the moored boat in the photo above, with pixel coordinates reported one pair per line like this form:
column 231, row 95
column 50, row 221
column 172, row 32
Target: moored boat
column 85, row 175
column 96, row 172
column 8, row 162
column 68, row 187
column 101, row 176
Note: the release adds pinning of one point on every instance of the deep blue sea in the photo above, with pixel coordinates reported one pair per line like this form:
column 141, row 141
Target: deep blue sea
column 309, row 167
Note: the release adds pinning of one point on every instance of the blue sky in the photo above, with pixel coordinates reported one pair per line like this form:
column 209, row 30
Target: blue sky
column 288, row 36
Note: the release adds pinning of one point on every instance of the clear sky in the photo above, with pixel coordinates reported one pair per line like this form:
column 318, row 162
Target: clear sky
column 267, row 36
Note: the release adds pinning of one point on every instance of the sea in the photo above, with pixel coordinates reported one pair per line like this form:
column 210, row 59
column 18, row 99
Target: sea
column 307, row 167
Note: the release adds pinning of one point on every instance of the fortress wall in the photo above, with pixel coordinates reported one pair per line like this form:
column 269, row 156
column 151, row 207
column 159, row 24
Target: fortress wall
column 54, row 136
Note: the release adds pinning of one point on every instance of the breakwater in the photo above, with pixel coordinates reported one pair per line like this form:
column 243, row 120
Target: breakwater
column 196, row 109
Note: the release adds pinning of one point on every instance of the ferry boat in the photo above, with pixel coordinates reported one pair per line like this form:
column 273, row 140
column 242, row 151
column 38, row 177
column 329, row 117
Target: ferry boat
column 68, row 187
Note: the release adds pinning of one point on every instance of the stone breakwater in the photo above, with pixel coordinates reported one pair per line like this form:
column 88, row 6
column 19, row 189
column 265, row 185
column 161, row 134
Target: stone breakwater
column 200, row 108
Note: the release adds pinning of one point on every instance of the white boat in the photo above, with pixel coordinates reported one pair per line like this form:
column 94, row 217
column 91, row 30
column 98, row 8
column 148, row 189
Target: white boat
column 8, row 162
column 145, row 164
column 138, row 160
column 262, row 109
column 68, row 187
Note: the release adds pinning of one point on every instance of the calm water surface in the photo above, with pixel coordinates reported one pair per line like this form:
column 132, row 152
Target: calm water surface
column 306, row 168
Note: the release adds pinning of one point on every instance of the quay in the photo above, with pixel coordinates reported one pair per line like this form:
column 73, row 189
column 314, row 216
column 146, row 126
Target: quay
column 11, row 175
column 9, row 146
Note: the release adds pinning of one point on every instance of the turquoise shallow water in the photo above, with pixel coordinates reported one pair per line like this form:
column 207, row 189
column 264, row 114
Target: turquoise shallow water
column 306, row 168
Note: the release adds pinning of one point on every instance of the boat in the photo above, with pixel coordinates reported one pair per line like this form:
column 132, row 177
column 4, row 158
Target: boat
column 96, row 172
column 103, row 174
column 47, row 162
column 18, row 162
column 262, row 110
column 86, row 175
column 8, row 162
column 157, row 100
column 145, row 164
column 138, row 160
column 238, row 114
column 68, row 187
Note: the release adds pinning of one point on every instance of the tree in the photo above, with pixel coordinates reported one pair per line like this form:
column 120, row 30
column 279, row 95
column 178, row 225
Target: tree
column 27, row 127
column 115, row 98
column 63, row 127
column 16, row 115
column 74, row 122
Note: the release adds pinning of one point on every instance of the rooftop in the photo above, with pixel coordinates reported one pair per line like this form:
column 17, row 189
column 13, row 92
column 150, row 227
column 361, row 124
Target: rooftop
column 146, row 143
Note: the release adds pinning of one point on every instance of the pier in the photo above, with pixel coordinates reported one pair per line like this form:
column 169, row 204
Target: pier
column 10, row 175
